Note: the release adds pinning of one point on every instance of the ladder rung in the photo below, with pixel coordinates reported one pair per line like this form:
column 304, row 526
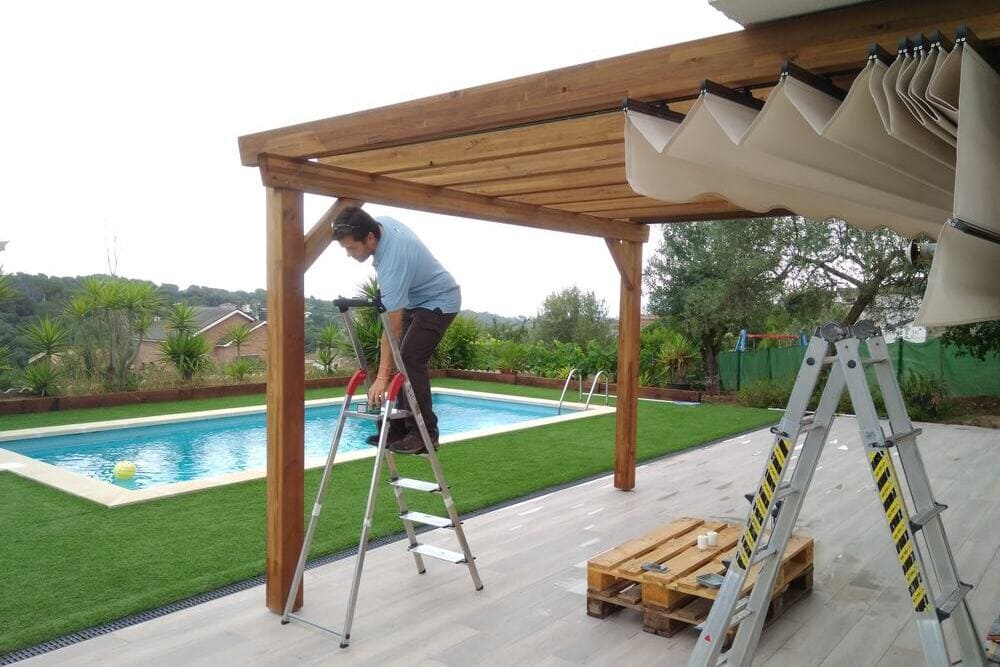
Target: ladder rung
column 784, row 491
column 427, row 519
column 740, row 612
column 872, row 362
column 948, row 605
column 415, row 484
column 437, row 552
column 918, row 521
column 763, row 555
column 377, row 417
column 897, row 438
column 810, row 425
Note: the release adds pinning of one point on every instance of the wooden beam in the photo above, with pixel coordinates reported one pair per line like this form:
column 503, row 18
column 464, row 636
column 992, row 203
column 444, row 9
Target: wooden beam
column 285, row 393
column 823, row 43
column 628, row 257
column 321, row 235
column 579, row 177
column 315, row 178
column 537, row 138
column 619, row 254
column 599, row 155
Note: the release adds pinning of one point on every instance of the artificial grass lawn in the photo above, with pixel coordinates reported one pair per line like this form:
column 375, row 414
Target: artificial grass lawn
column 70, row 564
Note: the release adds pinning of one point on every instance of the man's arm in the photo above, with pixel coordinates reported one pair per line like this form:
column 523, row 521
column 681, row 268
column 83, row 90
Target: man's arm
column 386, row 365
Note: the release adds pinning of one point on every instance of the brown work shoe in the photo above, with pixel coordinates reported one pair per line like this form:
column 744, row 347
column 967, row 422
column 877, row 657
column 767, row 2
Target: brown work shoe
column 394, row 436
column 412, row 443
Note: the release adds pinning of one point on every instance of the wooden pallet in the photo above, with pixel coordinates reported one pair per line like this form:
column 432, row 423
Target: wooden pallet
column 673, row 599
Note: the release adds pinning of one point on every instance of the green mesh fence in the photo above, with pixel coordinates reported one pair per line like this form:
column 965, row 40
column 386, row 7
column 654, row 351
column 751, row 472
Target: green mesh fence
column 964, row 375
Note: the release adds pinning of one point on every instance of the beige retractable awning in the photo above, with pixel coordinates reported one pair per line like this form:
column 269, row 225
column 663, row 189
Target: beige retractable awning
column 914, row 145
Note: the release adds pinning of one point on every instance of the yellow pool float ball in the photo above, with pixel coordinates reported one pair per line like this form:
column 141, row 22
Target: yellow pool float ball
column 124, row 470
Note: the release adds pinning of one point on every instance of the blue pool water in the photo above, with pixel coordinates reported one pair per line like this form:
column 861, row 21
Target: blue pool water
column 180, row 451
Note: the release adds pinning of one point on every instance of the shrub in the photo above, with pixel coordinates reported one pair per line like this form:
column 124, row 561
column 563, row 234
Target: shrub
column 458, row 348
column 765, row 394
column 188, row 353
column 926, row 396
column 677, row 355
column 508, row 356
column 41, row 378
column 240, row 367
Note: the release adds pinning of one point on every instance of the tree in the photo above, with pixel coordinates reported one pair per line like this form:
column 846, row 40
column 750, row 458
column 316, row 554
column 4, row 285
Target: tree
column 239, row 335
column 7, row 290
column 572, row 316
column 710, row 279
column 976, row 340
column 873, row 266
column 108, row 317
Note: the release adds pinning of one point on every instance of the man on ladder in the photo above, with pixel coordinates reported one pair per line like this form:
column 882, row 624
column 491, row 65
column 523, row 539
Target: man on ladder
column 421, row 298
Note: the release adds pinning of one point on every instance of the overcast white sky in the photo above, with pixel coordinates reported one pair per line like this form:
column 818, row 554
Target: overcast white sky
column 119, row 123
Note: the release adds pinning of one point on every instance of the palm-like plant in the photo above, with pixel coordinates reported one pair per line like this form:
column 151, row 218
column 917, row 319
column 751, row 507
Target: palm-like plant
column 41, row 378
column 239, row 335
column 367, row 325
column 182, row 318
column 187, row 352
column 109, row 318
column 677, row 355
column 46, row 336
column 330, row 338
column 240, row 367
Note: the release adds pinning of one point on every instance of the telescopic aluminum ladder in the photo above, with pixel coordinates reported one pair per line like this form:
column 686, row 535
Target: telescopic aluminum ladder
column 390, row 411
column 846, row 369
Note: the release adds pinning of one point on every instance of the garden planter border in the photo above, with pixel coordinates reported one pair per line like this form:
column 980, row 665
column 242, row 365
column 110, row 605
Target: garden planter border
column 56, row 403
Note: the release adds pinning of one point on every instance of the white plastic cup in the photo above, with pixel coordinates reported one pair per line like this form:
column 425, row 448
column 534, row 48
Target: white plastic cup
column 703, row 542
column 713, row 538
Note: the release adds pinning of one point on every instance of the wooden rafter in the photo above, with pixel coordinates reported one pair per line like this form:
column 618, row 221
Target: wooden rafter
column 321, row 234
column 315, row 178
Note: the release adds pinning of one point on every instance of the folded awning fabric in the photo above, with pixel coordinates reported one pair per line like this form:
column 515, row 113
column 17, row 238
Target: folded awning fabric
column 894, row 152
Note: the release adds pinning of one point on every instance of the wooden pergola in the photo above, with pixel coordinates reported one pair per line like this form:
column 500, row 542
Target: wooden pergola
column 543, row 151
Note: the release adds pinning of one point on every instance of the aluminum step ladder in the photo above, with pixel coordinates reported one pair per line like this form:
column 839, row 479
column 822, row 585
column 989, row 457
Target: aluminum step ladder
column 400, row 485
column 846, row 369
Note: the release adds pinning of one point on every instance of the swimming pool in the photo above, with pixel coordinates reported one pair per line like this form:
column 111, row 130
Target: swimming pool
column 179, row 451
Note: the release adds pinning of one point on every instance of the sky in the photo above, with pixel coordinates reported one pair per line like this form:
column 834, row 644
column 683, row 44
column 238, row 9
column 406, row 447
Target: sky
column 120, row 120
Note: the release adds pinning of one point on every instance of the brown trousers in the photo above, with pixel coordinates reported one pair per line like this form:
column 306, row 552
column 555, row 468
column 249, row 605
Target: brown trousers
column 422, row 331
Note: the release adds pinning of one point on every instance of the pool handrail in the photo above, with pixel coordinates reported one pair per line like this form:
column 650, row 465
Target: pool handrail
column 607, row 395
column 569, row 377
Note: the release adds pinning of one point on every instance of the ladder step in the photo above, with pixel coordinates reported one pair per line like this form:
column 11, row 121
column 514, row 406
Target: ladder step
column 785, row 490
column 416, row 485
column 810, row 425
column 440, row 554
column 764, row 555
column 427, row 519
column 872, row 362
column 948, row 605
column 897, row 438
column 918, row 521
column 377, row 416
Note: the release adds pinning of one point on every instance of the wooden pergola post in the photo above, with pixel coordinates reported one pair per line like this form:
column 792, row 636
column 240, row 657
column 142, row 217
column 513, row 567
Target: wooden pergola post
column 285, row 392
column 628, row 259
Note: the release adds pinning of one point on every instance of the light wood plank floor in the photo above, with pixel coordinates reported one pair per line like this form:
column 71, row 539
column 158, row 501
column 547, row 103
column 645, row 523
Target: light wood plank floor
column 532, row 558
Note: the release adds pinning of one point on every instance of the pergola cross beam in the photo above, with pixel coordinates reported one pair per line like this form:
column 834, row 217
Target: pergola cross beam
column 323, row 179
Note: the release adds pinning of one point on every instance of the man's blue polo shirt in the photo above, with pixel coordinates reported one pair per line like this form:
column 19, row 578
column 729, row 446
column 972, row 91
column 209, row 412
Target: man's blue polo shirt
column 408, row 274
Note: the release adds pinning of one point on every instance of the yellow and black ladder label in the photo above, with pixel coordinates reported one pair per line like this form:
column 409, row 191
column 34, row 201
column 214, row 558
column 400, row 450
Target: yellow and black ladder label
column 895, row 513
column 761, row 502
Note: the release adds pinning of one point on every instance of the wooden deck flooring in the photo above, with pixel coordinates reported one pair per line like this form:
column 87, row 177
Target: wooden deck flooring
column 532, row 558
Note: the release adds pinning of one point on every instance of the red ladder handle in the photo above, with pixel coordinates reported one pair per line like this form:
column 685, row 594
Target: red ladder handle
column 356, row 379
column 396, row 385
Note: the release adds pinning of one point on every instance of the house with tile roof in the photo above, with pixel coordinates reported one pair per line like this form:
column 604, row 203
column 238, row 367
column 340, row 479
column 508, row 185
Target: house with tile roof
column 216, row 323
